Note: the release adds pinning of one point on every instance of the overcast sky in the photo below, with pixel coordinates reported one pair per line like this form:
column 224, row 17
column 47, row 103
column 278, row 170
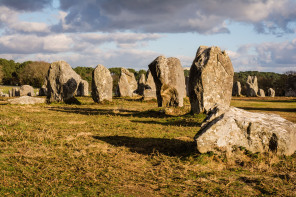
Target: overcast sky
column 257, row 34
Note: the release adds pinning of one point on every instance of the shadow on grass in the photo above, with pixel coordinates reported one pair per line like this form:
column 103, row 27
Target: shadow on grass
column 182, row 122
column 148, row 146
column 266, row 100
column 269, row 109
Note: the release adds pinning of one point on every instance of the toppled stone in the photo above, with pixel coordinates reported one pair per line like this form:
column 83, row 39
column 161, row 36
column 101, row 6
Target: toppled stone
column 127, row 84
column 169, row 81
column 237, row 88
column 271, row 92
column 102, row 84
column 257, row 132
column 210, row 79
column 26, row 100
column 62, row 82
column 261, row 93
column 252, row 86
column 27, row 90
column 82, row 88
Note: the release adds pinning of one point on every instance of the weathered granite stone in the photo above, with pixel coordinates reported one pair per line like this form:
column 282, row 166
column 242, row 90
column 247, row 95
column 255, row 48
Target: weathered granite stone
column 82, row 88
column 210, row 79
column 261, row 93
column 102, row 84
column 257, row 132
column 14, row 92
column 169, row 80
column 252, row 86
column 26, row 100
column 62, row 82
column 271, row 92
column 141, row 85
column 27, row 90
column 127, row 84
column 237, row 88
column 150, row 89
column 43, row 91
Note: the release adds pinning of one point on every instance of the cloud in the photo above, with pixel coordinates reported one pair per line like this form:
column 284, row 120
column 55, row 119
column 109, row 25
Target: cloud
column 174, row 16
column 26, row 5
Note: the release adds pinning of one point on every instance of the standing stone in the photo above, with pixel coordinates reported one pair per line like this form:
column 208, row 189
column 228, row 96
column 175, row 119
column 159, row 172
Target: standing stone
column 43, row 91
column 186, row 85
column 127, row 84
column 271, row 92
column 169, row 80
column 237, row 88
column 150, row 89
column 252, row 86
column 82, row 88
column 141, row 84
column 26, row 90
column 210, row 79
column 14, row 92
column 261, row 93
column 62, row 82
column 102, row 84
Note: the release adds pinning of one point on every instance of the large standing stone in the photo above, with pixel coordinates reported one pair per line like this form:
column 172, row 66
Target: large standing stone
column 26, row 100
column 252, row 86
column 169, row 80
column 150, row 89
column 271, row 92
column 257, row 132
column 261, row 93
column 82, row 88
column 237, row 88
column 62, row 82
column 127, row 84
column 102, row 84
column 210, row 79
column 26, row 90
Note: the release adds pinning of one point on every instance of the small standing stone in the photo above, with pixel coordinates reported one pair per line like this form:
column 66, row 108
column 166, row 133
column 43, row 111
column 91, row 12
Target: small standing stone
column 127, row 84
column 252, row 86
column 261, row 93
column 102, row 84
column 82, row 88
column 271, row 92
column 26, row 90
column 237, row 88
column 150, row 89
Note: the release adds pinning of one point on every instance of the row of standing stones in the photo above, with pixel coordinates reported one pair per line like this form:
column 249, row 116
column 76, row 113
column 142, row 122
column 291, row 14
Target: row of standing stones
column 252, row 88
column 209, row 88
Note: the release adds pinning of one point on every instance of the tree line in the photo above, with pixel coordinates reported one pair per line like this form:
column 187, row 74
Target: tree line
column 33, row 73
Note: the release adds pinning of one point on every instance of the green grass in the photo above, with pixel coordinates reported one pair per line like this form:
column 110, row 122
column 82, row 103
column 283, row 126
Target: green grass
column 129, row 148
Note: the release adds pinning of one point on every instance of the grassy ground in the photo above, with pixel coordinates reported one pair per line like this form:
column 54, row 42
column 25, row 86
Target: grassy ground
column 130, row 148
column 5, row 89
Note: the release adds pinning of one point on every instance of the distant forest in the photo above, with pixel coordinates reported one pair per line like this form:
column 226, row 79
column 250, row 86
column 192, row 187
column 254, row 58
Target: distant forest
column 33, row 73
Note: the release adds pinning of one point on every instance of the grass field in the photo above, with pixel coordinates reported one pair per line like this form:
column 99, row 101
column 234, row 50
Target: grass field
column 130, row 148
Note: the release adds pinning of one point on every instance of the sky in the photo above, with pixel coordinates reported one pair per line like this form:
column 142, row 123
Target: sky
column 258, row 35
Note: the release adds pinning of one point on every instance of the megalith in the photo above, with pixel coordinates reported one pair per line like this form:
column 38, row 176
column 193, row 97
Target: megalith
column 14, row 92
column 271, row 92
column 169, row 81
column 210, row 79
column 261, row 93
column 141, row 85
column 26, row 90
column 150, row 89
column 237, row 88
column 62, row 82
column 252, row 86
column 82, row 88
column 102, row 84
column 127, row 84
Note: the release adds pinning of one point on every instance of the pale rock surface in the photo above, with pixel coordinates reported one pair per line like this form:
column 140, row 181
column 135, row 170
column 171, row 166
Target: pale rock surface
column 127, row 84
column 261, row 93
column 102, row 84
column 169, row 81
column 150, row 89
column 62, row 82
column 271, row 92
column 141, row 85
column 252, row 86
column 237, row 88
column 210, row 79
column 27, row 90
column 26, row 100
column 82, row 88
column 257, row 132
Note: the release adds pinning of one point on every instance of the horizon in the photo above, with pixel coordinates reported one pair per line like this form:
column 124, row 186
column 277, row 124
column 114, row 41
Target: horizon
column 257, row 35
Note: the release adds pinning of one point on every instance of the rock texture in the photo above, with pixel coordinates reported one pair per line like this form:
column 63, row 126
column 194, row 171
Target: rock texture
column 14, row 92
column 82, row 88
column 237, row 88
column 127, row 84
column 26, row 100
column 141, row 85
column 271, row 92
column 169, row 81
column 186, row 85
column 102, row 84
column 261, row 93
column 252, row 86
column 27, row 90
column 210, row 79
column 150, row 89
column 257, row 132
column 62, row 82
column 43, row 91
